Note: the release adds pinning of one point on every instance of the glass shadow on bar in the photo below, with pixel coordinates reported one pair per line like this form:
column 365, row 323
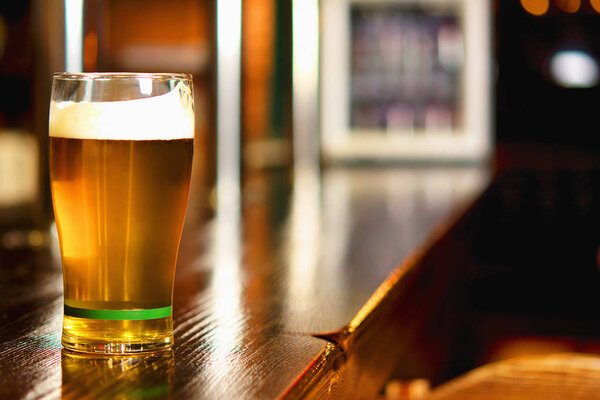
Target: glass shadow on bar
column 110, row 377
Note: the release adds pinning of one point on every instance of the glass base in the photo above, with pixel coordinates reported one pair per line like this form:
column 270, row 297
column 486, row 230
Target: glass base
column 116, row 347
column 117, row 337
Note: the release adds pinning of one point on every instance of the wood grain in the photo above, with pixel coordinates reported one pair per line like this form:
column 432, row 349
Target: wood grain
column 250, row 308
column 549, row 377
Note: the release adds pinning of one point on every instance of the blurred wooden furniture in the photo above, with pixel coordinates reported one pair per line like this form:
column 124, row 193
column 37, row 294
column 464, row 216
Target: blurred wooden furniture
column 555, row 376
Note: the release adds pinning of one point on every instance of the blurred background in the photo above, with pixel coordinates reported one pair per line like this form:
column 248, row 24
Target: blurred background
column 256, row 77
column 544, row 78
column 38, row 38
column 257, row 70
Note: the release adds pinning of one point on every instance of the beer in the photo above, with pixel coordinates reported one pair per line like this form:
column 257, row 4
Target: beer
column 120, row 174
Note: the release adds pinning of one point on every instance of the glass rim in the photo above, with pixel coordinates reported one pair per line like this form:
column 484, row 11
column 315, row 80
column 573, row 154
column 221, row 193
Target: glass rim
column 84, row 76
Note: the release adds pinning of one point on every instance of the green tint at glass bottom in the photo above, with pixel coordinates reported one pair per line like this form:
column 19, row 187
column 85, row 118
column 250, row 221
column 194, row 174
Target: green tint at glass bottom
column 119, row 315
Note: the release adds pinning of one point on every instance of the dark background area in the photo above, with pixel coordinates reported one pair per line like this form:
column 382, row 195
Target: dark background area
column 529, row 106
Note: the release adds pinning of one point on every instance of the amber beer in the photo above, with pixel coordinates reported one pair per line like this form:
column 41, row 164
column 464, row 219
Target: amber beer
column 120, row 174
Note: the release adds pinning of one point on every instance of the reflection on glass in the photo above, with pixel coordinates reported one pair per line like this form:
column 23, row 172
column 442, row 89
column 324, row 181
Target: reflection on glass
column 119, row 377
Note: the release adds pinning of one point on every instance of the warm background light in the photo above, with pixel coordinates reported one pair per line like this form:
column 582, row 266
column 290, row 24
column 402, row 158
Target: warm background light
column 90, row 51
column 595, row 4
column 536, row 7
column 570, row 6
column 257, row 52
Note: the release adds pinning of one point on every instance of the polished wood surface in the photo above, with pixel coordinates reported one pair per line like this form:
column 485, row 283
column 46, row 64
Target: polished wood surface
column 515, row 274
column 291, row 297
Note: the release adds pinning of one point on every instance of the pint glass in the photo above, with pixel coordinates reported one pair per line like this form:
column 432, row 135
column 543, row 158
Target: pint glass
column 121, row 149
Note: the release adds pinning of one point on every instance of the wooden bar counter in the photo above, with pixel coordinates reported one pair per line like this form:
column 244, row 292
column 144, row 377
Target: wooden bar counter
column 324, row 288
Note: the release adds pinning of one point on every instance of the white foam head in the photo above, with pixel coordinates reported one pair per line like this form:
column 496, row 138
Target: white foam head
column 151, row 118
